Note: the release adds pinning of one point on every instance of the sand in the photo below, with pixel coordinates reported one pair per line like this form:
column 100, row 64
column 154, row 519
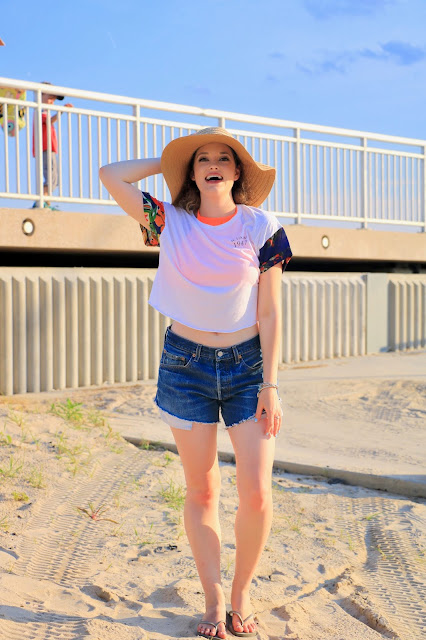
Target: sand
column 92, row 543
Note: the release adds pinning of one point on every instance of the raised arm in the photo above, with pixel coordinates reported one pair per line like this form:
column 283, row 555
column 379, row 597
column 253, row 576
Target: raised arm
column 118, row 178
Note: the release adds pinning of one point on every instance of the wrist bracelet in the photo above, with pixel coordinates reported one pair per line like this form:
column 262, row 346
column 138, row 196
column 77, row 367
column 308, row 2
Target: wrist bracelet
column 266, row 385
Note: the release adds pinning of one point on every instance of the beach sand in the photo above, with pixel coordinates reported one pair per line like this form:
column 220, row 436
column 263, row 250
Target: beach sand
column 92, row 542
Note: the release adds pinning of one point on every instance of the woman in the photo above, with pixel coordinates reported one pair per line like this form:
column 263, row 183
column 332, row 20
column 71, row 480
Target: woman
column 219, row 278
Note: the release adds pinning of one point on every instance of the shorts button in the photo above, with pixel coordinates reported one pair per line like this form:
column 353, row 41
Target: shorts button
column 220, row 354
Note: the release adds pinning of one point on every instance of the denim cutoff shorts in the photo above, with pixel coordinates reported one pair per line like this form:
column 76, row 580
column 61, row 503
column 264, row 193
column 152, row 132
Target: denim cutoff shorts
column 195, row 382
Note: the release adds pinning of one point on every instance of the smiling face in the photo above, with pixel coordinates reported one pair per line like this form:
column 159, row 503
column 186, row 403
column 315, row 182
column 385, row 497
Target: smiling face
column 47, row 98
column 215, row 169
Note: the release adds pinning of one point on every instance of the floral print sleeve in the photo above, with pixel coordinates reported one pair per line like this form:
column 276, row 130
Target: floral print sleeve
column 154, row 214
column 276, row 249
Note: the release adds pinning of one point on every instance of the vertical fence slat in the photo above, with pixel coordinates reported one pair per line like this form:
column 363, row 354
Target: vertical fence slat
column 143, row 332
column 312, row 320
column 100, row 160
column 337, row 312
column 345, row 292
column 295, row 321
column 90, row 158
column 329, row 306
column 297, row 181
column 70, row 158
column 7, row 364
column 61, row 354
column 96, row 330
column 72, row 332
column 17, row 152
column 60, row 146
column 304, row 321
column 108, row 328
column 286, row 321
column 28, row 150
column 393, row 317
column 120, row 330
column 423, row 308
column 6, row 152
column 417, row 317
column 46, row 334
column 33, row 335
column 84, row 346
column 131, row 330
column 321, row 324
column 80, row 157
column 19, row 335
column 154, row 333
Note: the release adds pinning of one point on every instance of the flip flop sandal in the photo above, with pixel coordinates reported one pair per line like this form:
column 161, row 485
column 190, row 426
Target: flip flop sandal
column 230, row 626
column 213, row 624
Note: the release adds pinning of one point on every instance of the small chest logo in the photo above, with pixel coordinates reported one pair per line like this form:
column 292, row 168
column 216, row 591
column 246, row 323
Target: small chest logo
column 239, row 241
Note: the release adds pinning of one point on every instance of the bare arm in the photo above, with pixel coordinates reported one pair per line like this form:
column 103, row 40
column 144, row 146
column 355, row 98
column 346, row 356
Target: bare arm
column 56, row 116
column 118, row 178
column 269, row 314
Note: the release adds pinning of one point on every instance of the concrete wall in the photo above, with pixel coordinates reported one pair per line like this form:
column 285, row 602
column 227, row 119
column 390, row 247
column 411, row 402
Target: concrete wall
column 407, row 312
column 104, row 234
column 65, row 328
column 324, row 316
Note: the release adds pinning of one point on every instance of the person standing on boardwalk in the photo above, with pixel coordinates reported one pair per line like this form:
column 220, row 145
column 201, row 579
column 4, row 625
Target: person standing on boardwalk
column 50, row 173
column 219, row 279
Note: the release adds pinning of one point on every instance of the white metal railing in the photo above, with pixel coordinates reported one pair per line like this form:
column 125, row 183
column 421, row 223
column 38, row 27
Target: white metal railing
column 323, row 173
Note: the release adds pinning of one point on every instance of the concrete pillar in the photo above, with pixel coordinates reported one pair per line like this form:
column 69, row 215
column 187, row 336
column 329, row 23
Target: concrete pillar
column 377, row 312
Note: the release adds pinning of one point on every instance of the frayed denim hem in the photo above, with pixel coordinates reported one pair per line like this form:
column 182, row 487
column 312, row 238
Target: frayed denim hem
column 175, row 421
column 240, row 422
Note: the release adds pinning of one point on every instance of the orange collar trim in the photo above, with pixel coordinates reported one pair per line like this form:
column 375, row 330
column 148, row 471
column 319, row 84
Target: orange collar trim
column 215, row 221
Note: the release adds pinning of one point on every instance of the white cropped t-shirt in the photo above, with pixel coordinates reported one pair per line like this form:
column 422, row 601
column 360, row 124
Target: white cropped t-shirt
column 208, row 276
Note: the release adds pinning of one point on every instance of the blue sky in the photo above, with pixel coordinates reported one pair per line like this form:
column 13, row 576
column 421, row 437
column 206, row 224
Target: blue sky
column 358, row 64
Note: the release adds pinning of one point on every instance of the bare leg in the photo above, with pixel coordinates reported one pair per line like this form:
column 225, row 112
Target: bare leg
column 45, row 192
column 254, row 454
column 198, row 452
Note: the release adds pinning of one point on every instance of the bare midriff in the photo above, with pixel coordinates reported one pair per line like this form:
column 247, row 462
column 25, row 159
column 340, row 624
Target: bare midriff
column 213, row 338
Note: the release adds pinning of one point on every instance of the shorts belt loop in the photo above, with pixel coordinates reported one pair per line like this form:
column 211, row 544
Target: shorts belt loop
column 197, row 352
column 237, row 356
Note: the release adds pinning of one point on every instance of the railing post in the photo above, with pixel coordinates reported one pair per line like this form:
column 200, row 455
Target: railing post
column 137, row 139
column 364, row 187
column 221, row 122
column 38, row 147
column 377, row 294
column 136, row 132
column 297, row 176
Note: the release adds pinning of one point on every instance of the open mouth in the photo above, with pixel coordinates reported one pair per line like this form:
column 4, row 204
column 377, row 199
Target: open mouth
column 214, row 177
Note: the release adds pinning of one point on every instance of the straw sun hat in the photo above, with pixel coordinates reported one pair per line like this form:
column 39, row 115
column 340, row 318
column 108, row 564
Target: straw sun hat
column 257, row 178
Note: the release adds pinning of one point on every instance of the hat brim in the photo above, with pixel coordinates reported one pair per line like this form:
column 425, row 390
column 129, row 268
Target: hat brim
column 257, row 178
column 52, row 95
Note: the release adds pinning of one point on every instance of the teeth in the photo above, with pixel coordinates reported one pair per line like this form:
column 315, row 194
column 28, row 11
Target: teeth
column 217, row 177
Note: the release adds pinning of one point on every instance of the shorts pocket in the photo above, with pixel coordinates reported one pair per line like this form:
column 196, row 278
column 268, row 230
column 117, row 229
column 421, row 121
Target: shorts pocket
column 172, row 357
column 253, row 360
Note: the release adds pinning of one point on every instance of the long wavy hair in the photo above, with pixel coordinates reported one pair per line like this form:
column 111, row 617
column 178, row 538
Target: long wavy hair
column 189, row 197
